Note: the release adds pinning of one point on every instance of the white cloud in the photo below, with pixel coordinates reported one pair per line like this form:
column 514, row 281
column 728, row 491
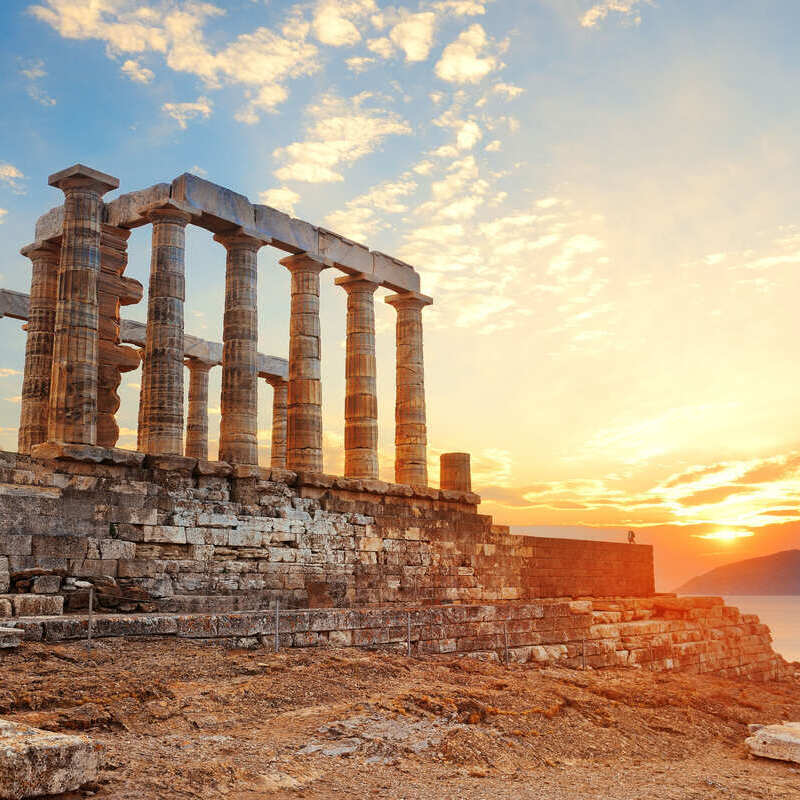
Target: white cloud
column 461, row 60
column 3, row 212
column 461, row 8
column 11, row 176
column 335, row 21
column 195, row 170
column 627, row 9
column 261, row 61
column 468, row 135
column 495, row 146
column 359, row 63
column 507, row 90
column 342, row 131
column 360, row 218
column 281, row 197
column 414, row 35
column 381, row 47
column 6, row 372
column 184, row 112
column 136, row 72
column 33, row 71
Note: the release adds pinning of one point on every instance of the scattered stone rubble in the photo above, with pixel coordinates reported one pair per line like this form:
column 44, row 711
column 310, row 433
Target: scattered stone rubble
column 35, row 762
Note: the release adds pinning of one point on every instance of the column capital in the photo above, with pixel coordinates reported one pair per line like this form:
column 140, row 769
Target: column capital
column 42, row 249
column 242, row 238
column 170, row 211
column 275, row 380
column 408, row 300
column 358, row 282
column 196, row 363
column 79, row 176
column 306, row 262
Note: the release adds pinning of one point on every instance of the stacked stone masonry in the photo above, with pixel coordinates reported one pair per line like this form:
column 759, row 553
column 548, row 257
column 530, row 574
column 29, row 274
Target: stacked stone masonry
column 688, row 634
column 186, row 535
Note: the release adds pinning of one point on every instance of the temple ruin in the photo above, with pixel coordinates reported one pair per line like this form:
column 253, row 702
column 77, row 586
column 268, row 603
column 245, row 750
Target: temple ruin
column 173, row 542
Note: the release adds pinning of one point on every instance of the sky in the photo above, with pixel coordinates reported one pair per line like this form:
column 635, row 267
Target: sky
column 600, row 195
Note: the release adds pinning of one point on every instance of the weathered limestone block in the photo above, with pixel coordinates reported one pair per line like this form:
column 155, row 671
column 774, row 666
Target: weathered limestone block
column 220, row 207
column 73, row 384
column 411, row 436
column 286, row 232
column 129, row 210
column 345, row 253
column 50, row 224
column 781, row 742
column 238, row 437
column 36, row 605
column 361, row 395
column 35, row 762
column 304, row 410
column 5, row 578
column 395, row 274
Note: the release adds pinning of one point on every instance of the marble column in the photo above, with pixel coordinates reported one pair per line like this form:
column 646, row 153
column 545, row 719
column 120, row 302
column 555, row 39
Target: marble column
column 238, row 434
column 39, row 345
column 161, row 418
column 280, row 392
column 411, row 438
column 304, row 399
column 361, row 398
column 73, row 379
column 197, row 417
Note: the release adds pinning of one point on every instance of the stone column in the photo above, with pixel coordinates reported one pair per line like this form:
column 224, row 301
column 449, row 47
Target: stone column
column 197, row 417
column 73, row 380
column 39, row 345
column 411, row 438
column 238, row 434
column 304, row 409
column 161, row 417
column 455, row 473
column 280, row 391
column 361, row 398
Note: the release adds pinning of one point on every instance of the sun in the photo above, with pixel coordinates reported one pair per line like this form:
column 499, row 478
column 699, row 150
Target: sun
column 726, row 535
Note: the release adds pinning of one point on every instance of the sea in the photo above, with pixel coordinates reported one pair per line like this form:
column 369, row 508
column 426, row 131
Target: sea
column 781, row 613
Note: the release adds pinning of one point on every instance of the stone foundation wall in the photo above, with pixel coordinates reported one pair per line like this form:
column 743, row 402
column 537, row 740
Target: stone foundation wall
column 689, row 634
column 175, row 534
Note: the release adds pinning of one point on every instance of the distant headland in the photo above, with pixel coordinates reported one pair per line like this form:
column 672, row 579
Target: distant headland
column 776, row 574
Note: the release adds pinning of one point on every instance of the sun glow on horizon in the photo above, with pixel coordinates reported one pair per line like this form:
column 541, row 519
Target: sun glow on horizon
column 726, row 535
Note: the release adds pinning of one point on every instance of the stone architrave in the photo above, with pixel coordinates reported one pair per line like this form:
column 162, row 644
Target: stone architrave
column 280, row 391
column 39, row 345
column 161, row 416
column 304, row 400
column 73, row 380
column 411, row 438
column 455, row 474
column 238, row 434
column 197, row 416
column 361, row 398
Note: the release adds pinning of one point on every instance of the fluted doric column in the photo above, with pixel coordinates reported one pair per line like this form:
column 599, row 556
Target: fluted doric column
column 238, row 433
column 197, row 416
column 161, row 417
column 411, row 437
column 304, row 410
column 280, row 391
column 73, row 380
column 361, row 398
column 39, row 345
column 454, row 472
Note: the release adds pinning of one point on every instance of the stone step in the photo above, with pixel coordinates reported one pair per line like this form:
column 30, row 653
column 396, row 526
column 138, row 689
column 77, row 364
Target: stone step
column 32, row 605
column 35, row 762
column 10, row 638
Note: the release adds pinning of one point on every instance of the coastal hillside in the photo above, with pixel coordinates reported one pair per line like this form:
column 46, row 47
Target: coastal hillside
column 776, row 574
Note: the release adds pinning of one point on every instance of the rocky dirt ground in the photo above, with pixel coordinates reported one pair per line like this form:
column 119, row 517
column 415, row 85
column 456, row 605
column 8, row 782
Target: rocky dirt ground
column 186, row 720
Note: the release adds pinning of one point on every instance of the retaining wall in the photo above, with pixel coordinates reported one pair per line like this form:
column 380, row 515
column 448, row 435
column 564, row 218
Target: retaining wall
column 175, row 534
